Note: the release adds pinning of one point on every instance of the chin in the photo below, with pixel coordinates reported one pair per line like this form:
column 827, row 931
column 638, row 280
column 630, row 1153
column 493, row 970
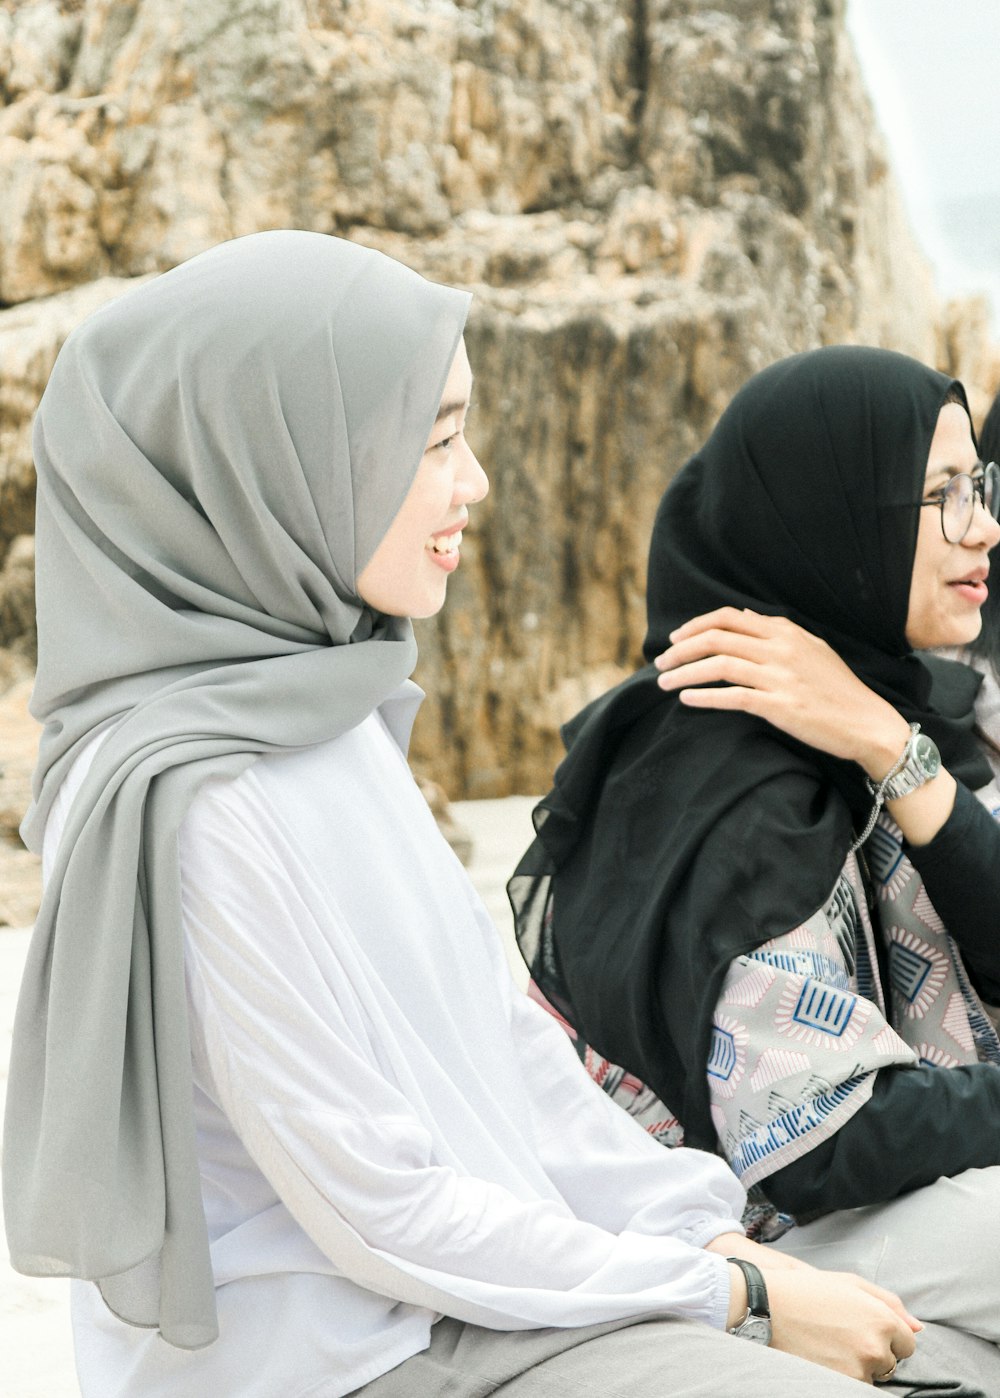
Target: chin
column 948, row 637
column 966, row 632
column 426, row 607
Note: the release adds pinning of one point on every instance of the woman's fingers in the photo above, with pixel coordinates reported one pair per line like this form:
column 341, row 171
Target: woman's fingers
column 776, row 670
column 713, row 669
column 740, row 620
column 894, row 1303
column 713, row 642
column 733, row 697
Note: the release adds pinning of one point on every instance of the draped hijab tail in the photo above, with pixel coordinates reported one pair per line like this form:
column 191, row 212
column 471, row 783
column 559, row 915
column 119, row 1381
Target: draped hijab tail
column 219, row 453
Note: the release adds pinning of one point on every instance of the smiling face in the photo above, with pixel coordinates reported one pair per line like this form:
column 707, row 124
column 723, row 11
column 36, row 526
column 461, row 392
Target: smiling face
column 408, row 572
column 948, row 586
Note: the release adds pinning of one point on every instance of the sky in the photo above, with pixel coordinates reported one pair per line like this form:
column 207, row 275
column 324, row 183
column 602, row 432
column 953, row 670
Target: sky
column 932, row 68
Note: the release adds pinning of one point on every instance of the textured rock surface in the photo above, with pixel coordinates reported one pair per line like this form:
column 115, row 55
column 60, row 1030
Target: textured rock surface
column 650, row 198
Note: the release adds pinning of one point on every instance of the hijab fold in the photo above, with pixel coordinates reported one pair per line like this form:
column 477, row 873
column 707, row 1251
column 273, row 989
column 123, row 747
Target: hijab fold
column 675, row 840
column 219, row 454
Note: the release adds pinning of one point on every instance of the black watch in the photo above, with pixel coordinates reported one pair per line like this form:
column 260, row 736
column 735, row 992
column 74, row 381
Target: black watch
column 756, row 1324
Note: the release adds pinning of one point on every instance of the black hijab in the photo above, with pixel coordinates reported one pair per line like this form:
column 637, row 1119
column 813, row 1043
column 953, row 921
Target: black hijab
column 675, row 839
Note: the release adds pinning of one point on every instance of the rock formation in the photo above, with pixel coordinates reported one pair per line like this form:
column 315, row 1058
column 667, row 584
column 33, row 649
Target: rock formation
column 650, row 199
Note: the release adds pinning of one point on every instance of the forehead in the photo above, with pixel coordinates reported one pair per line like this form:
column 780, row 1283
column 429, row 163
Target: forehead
column 952, row 447
column 458, row 384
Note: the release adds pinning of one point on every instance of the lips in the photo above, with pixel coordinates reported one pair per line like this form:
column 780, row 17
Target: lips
column 978, row 575
column 444, row 546
column 972, row 588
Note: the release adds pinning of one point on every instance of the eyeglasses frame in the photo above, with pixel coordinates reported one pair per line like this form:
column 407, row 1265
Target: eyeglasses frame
column 939, row 498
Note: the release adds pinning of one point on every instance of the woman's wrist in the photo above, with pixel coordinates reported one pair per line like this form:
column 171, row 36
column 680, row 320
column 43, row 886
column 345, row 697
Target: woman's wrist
column 921, row 813
column 881, row 745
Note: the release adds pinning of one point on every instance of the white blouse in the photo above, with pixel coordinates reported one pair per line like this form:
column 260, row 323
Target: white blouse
column 387, row 1129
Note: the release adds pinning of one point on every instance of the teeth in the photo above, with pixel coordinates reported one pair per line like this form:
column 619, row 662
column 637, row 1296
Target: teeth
column 450, row 544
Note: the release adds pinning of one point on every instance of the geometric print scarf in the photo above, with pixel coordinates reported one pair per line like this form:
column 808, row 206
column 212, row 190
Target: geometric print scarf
column 804, row 1023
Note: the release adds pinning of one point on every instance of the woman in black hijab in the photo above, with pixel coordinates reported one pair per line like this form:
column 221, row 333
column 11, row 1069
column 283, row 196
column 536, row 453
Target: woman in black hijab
column 758, row 892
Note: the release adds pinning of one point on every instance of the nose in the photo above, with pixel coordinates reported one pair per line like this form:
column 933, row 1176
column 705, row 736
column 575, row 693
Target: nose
column 471, row 483
column 984, row 530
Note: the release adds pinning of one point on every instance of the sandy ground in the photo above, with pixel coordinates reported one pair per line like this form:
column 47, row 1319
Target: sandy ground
column 36, row 1356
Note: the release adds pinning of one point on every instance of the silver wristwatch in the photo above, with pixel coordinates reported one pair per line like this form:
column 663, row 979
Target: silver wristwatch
column 920, row 763
column 756, row 1324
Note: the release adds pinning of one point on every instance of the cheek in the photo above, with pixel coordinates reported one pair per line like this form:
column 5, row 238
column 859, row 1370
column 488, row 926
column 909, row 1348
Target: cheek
column 927, row 557
column 429, row 500
column 926, row 566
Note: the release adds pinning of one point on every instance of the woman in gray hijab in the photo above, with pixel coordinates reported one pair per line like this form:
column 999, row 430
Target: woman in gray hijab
column 273, row 1098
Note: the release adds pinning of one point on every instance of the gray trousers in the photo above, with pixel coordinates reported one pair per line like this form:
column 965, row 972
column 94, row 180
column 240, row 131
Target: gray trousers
column 668, row 1358
column 938, row 1248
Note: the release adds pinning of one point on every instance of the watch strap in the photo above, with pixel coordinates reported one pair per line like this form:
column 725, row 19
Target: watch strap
column 757, row 1302
column 922, row 764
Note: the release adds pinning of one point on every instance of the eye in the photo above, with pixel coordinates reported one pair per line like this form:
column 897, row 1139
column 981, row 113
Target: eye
column 446, row 443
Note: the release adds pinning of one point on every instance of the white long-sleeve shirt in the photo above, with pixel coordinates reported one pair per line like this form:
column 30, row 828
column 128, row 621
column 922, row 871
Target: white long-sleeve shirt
column 388, row 1130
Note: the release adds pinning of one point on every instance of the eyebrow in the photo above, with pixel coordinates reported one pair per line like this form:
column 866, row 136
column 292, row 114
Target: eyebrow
column 446, row 409
column 950, row 471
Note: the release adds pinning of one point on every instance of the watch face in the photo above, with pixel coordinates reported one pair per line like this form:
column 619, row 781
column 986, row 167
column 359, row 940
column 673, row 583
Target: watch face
column 926, row 755
column 756, row 1328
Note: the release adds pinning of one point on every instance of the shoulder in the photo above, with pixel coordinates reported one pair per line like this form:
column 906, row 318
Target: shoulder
column 302, row 801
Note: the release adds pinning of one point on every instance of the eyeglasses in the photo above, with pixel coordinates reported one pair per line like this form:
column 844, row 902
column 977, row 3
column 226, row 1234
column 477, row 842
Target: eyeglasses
column 958, row 500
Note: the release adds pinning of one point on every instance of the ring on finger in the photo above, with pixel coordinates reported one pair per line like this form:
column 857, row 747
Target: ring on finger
column 884, row 1378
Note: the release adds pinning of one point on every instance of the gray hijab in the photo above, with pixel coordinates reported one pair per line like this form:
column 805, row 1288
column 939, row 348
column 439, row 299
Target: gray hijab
column 218, row 454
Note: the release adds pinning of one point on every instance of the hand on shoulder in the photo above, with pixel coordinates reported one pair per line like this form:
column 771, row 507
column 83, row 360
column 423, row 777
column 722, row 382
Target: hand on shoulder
column 771, row 667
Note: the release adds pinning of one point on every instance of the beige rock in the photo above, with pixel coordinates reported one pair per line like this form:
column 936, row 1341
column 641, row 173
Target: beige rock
column 36, row 47
column 650, row 201
column 20, row 886
column 966, row 350
column 50, row 236
column 204, row 121
column 17, row 597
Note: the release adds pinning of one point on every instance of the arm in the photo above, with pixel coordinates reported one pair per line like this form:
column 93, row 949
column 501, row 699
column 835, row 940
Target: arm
column 287, row 1047
column 584, row 1140
column 782, row 673
column 920, row 1123
column 834, row 1121
column 840, row 1321
column 285, row 1041
column 960, row 868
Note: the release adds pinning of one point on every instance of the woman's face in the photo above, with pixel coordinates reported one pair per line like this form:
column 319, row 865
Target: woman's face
column 948, row 586
column 408, row 572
